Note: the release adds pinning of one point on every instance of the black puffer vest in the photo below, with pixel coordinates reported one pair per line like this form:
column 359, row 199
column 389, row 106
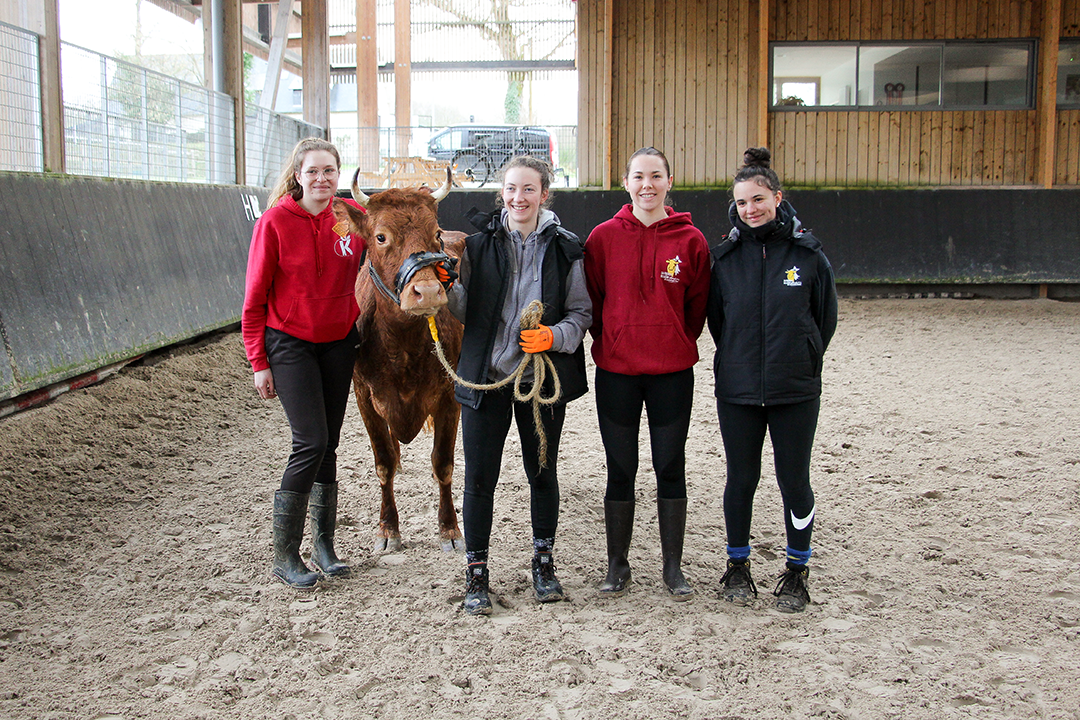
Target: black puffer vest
column 490, row 280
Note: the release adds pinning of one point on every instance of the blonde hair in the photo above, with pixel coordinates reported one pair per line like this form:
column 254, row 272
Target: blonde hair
column 286, row 183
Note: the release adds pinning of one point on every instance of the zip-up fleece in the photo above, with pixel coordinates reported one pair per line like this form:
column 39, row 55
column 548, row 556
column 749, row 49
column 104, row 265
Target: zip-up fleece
column 301, row 276
column 649, row 287
column 772, row 313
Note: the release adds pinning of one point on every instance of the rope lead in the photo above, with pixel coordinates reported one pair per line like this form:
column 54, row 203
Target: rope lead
column 541, row 363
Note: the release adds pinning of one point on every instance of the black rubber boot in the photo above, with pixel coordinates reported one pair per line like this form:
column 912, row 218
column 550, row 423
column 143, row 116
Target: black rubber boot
column 619, row 527
column 672, row 517
column 323, row 508
column 476, row 600
column 290, row 516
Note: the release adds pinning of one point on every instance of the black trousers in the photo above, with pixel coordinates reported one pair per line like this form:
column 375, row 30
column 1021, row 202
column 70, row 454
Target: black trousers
column 483, row 434
column 312, row 380
column 791, row 429
column 667, row 399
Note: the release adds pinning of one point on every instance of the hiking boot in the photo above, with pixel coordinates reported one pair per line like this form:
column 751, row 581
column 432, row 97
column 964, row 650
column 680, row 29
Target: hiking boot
column 547, row 586
column 791, row 593
column 476, row 600
column 737, row 585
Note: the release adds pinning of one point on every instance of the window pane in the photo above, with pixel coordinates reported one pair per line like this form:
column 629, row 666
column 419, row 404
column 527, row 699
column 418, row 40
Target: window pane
column 985, row 74
column 1068, row 84
column 823, row 75
column 898, row 75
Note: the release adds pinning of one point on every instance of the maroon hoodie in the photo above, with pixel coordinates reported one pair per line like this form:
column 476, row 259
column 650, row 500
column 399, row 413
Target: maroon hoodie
column 301, row 276
column 649, row 287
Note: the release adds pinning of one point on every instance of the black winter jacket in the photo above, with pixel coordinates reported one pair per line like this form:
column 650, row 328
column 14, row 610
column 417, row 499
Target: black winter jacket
column 772, row 312
column 490, row 280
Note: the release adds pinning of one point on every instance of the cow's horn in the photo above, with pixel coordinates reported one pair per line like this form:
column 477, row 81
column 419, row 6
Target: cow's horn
column 358, row 194
column 445, row 189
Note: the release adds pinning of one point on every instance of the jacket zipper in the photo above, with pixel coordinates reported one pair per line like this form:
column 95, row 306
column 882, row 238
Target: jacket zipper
column 764, row 275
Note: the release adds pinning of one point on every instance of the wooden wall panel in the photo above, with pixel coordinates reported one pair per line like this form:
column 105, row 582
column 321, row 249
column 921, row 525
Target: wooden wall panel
column 681, row 71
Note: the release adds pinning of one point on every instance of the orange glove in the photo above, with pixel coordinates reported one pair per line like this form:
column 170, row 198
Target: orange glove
column 445, row 275
column 538, row 340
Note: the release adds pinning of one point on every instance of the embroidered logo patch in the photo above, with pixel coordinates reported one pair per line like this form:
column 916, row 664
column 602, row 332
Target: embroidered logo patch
column 671, row 273
column 343, row 247
column 791, row 277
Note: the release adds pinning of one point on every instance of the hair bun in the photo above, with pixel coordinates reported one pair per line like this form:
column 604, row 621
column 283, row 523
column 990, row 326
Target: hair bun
column 757, row 157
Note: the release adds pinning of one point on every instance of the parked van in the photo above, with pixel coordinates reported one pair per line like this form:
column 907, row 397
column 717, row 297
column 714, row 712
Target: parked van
column 478, row 152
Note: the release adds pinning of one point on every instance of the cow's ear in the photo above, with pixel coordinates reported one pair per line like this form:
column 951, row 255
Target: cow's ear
column 354, row 216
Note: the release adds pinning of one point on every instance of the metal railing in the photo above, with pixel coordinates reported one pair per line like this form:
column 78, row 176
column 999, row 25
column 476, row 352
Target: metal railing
column 124, row 121
column 20, row 101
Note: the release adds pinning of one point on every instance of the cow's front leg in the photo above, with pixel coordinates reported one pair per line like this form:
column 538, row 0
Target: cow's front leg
column 442, row 465
column 387, row 452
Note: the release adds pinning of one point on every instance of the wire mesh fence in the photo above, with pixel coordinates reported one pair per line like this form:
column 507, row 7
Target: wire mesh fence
column 122, row 120
column 269, row 138
column 20, row 101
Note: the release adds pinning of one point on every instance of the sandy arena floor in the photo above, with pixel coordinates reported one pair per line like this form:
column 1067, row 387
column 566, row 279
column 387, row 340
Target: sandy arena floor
column 135, row 553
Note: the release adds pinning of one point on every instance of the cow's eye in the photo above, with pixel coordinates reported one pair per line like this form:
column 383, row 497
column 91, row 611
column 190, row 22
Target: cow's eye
column 380, row 238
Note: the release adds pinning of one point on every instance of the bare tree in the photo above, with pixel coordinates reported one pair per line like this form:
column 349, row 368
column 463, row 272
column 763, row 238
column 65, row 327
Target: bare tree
column 492, row 20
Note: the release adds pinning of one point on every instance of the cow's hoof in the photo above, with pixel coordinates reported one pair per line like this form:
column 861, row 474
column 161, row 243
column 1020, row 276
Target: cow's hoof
column 387, row 544
column 450, row 545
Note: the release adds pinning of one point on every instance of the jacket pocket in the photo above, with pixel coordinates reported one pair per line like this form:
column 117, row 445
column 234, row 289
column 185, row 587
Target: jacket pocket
column 815, row 355
column 324, row 318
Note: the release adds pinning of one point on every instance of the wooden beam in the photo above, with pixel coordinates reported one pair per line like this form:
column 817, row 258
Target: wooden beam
column 607, row 79
column 367, row 86
column 233, row 59
column 1046, row 107
column 315, row 30
column 402, row 75
column 52, row 102
column 277, row 54
column 759, row 74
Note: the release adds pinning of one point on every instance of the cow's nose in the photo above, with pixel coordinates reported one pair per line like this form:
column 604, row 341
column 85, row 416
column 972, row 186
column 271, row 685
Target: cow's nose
column 423, row 297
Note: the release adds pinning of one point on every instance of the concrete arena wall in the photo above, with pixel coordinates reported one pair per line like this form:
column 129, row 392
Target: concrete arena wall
column 96, row 271
column 940, row 236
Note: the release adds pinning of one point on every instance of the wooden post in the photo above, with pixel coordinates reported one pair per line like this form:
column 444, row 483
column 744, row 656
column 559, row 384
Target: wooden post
column 52, row 101
column 277, row 54
column 315, row 39
column 1046, row 107
column 759, row 74
column 233, row 55
column 402, row 75
column 367, row 87
column 608, row 81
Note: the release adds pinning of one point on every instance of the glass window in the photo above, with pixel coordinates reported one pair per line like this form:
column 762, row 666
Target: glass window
column 923, row 75
column 981, row 74
column 821, row 75
column 899, row 75
column 1068, row 83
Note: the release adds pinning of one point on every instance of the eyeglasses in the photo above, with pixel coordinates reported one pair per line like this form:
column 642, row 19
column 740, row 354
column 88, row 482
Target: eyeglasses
column 314, row 174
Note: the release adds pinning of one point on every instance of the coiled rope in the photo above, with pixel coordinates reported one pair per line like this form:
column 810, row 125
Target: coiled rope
column 541, row 364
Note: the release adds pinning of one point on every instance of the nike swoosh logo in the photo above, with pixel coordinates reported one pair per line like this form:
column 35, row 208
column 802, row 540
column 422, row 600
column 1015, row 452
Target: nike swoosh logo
column 802, row 523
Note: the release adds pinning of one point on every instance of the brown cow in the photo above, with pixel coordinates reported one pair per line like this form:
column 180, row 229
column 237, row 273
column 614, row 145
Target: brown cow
column 398, row 380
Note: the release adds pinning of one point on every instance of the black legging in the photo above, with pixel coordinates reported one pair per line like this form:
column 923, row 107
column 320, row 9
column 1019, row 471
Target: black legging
column 791, row 429
column 483, row 435
column 668, row 399
column 312, row 380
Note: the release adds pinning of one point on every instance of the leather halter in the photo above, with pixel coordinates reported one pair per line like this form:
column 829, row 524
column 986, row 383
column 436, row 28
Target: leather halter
column 413, row 264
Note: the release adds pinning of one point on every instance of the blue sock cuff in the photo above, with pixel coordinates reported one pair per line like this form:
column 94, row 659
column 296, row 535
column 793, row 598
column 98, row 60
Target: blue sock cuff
column 798, row 557
column 738, row 553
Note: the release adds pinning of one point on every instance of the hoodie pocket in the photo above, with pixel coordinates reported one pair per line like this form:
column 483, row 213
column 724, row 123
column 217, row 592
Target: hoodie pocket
column 656, row 348
column 324, row 317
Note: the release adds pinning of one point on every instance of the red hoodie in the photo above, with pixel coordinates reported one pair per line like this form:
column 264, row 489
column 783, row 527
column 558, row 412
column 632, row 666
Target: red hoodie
column 301, row 276
column 649, row 287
